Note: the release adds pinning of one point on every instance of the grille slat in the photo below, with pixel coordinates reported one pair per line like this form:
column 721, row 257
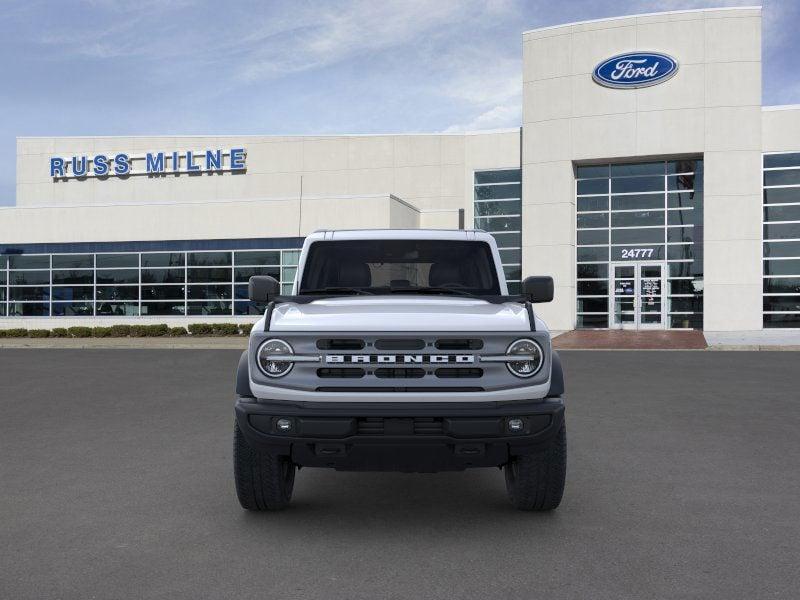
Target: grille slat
column 399, row 373
column 344, row 373
column 459, row 344
column 400, row 344
column 465, row 373
column 340, row 344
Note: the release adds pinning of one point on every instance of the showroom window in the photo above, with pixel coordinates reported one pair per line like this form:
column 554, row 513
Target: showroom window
column 781, row 240
column 129, row 284
column 640, row 245
column 498, row 210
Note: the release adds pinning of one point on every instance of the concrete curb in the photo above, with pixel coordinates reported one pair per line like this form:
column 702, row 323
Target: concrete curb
column 755, row 348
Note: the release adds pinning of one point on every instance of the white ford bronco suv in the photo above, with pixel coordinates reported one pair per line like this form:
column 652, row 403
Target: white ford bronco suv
column 400, row 350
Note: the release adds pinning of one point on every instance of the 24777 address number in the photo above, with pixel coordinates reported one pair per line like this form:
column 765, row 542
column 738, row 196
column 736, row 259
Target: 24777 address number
column 637, row 252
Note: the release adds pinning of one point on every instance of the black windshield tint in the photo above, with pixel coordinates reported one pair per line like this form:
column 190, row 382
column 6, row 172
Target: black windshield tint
column 391, row 266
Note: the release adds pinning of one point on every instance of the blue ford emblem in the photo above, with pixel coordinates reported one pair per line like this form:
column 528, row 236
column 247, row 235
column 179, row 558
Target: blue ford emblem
column 635, row 70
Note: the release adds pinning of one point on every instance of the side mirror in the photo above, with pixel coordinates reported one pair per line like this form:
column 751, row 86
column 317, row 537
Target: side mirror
column 262, row 288
column 538, row 288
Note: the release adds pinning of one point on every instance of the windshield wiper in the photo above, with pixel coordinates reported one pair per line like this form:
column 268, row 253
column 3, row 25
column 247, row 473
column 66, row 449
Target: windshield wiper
column 432, row 290
column 337, row 290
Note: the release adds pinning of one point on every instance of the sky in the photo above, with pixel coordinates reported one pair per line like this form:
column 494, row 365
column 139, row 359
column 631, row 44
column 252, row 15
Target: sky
column 161, row 67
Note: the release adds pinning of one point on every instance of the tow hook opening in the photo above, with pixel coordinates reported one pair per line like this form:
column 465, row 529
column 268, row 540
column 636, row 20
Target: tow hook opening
column 328, row 450
column 470, row 449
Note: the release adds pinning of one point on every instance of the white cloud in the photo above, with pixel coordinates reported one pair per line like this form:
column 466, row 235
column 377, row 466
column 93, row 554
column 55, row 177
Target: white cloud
column 497, row 117
column 331, row 34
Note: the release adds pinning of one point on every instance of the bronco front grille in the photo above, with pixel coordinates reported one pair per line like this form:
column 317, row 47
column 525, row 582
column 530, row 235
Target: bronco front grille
column 399, row 363
column 357, row 364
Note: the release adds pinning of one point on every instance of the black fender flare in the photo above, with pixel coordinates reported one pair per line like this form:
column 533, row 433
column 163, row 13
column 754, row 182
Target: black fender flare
column 243, row 377
column 556, row 378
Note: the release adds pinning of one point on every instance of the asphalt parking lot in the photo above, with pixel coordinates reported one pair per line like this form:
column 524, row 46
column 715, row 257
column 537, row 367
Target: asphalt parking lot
column 115, row 482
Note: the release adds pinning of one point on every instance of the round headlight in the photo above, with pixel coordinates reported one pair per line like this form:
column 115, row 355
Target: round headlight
column 269, row 366
column 533, row 361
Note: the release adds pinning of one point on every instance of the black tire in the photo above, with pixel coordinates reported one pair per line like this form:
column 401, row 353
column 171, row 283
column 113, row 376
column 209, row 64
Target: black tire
column 536, row 481
column 263, row 481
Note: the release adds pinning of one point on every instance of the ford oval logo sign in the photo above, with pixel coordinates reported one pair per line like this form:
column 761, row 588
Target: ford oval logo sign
column 635, row 70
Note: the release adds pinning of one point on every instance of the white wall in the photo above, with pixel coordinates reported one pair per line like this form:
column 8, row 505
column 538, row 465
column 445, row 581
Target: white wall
column 711, row 107
column 781, row 128
column 428, row 171
column 343, row 179
column 203, row 220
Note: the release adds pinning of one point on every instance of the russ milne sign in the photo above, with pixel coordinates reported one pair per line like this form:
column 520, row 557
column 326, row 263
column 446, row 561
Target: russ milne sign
column 151, row 163
column 635, row 70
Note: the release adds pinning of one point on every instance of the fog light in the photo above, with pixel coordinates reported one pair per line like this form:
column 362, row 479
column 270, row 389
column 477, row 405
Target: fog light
column 283, row 425
column 515, row 424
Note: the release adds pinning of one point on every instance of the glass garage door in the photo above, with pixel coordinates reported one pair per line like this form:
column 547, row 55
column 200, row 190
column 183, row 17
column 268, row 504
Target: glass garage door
column 641, row 214
column 498, row 210
column 782, row 240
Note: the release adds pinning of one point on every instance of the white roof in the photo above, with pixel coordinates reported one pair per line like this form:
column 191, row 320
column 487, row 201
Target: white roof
column 400, row 234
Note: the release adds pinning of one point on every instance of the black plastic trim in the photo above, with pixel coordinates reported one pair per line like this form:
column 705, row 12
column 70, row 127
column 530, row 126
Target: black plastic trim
column 531, row 316
column 243, row 377
column 556, row 377
column 268, row 315
column 471, row 436
column 402, row 408
column 307, row 298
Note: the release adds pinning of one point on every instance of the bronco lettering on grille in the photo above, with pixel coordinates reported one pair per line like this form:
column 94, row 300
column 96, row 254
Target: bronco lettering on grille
column 399, row 358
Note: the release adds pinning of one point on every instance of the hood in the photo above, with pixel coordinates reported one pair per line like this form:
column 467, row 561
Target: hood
column 399, row 313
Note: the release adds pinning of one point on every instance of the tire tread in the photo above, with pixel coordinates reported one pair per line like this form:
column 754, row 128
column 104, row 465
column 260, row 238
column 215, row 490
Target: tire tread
column 261, row 483
column 538, row 483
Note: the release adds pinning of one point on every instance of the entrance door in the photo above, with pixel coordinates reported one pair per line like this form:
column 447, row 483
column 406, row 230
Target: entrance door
column 637, row 295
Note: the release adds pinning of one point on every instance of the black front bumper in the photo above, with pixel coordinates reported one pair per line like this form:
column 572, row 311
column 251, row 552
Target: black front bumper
column 412, row 437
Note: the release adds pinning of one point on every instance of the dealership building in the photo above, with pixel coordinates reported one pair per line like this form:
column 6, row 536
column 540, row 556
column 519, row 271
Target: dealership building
column 646, row 177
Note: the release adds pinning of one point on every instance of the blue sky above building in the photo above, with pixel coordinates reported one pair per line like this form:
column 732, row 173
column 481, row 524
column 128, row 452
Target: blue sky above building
column 102, row 67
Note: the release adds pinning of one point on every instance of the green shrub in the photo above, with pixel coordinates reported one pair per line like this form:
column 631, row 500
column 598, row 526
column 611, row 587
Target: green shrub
column 149, row 330
column 138, row 330
column 120, row 330
column 2, row 333
column 80, row 332
column 157, row 330
column 101, row 332
column 38, row 333
column 245, row 328
column 177, row 331
column 225, row 329
column 200, row 329
column 16, row 332
column 59, row 332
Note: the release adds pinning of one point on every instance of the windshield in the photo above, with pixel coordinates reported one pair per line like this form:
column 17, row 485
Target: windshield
column 400, row 266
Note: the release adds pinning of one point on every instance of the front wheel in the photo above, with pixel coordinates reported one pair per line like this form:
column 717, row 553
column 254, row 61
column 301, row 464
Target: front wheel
column 536, row 481
column 263, row 481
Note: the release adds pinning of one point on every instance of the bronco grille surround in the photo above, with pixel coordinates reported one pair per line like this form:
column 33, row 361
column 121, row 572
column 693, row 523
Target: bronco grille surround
column 359, row 364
